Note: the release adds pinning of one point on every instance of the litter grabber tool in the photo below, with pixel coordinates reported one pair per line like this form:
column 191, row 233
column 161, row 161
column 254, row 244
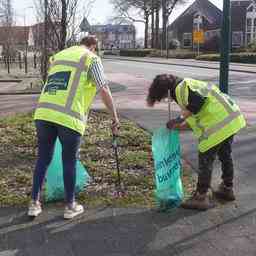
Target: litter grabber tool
column 119, row 191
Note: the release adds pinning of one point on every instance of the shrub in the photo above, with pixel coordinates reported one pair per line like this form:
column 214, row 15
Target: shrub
column 109, row 52
column 177, row 54
column 183, row 55
column 244, row 57
column 252, row 46
column 135, row 52
column 174, row 44
column 209, row 57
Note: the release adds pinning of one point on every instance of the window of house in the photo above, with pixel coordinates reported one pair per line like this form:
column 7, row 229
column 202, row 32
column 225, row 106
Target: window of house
column 187, row 39
column 248, row 24
column 250, row 9
column 112, row 36
column 237, row 38
column 248, row 38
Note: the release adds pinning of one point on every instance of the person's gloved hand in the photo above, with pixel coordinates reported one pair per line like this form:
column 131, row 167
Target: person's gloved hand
column 175, row 123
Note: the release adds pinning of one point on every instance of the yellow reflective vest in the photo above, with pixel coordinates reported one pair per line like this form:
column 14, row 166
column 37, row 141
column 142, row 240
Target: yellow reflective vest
column 219, row 117
column 68, row 92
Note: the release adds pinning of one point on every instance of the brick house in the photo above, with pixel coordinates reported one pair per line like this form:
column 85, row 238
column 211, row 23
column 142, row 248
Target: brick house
column 15, row 38
column 38, row 33
column 203, row 15
column 21, row 38
column 114, row 36
column 244, row 27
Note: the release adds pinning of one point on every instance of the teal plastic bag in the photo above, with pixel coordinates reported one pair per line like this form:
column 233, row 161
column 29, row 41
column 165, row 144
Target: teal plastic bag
column 167, row 161
column 54, row 186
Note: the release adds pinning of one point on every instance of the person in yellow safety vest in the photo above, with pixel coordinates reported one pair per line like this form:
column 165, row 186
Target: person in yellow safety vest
column 214, row 118
column 74, row 77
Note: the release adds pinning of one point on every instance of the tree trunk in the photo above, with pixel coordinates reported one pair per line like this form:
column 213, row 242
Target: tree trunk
column 152, row 24
column 146, row 30
column 157, row 27
column 164, row 17
column 63, row 34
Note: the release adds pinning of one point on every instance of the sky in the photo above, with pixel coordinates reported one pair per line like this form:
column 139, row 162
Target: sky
column 102, row 10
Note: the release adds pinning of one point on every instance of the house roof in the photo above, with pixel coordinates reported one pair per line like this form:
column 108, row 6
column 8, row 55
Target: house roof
column 18, row 33
column 207, row 9
column 242, row 3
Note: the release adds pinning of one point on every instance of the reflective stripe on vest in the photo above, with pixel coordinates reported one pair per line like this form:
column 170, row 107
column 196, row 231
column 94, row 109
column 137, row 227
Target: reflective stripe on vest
column 183, row 94
column 81, row 67
column 232, row 114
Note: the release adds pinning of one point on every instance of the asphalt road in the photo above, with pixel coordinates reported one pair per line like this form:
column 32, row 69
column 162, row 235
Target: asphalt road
column 242, row 84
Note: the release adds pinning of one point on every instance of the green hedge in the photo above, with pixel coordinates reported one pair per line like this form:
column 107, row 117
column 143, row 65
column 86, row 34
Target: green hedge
column 177, row 54
column 109, row 52
column 188, row 55
column 135, row 52
column 244, row 57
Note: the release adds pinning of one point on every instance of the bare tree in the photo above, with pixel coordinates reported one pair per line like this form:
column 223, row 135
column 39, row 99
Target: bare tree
column 6, row 12
column 63, row 20
column 153, row 23
column 60, row 16
column 157, row 35
column 136, row 11
column 60, row 20
column 83, row 11
column 167, row 8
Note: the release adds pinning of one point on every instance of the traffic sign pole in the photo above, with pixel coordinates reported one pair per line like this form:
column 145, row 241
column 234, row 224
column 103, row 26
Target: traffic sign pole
column 225, row 46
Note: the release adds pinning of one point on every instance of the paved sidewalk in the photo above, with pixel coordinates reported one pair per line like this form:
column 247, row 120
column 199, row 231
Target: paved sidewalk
column 225, row 230
column 17, row 86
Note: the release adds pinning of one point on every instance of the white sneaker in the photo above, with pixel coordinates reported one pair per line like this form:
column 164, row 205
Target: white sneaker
column 34, row 209
column 72, row 211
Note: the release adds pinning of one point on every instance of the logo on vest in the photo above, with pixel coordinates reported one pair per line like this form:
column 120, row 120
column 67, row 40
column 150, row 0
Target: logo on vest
column 57, row 81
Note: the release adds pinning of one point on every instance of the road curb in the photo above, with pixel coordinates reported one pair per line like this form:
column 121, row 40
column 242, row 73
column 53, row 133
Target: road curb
column 114, row 87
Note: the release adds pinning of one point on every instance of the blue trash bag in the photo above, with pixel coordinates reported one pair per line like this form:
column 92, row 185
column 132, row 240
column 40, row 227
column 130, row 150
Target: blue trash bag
column 54, row 185
column 167, row 161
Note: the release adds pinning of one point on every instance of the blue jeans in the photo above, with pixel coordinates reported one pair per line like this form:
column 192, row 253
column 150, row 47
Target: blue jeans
column 47, row 134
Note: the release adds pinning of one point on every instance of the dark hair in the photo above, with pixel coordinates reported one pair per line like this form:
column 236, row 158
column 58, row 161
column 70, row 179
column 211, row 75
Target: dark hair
column 158, row 90
column 88, row 41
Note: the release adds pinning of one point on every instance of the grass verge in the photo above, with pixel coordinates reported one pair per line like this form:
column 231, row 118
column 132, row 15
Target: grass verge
column 18, row 156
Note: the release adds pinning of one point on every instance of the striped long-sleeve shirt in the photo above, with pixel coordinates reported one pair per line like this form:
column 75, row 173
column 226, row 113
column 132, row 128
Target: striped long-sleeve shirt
column 96, row 72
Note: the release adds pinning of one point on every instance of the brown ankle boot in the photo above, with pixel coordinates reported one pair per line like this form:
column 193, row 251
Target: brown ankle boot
column 198, row 202
column 225, row 193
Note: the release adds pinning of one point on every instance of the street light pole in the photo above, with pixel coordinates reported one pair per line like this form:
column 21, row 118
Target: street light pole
column 225, row 46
